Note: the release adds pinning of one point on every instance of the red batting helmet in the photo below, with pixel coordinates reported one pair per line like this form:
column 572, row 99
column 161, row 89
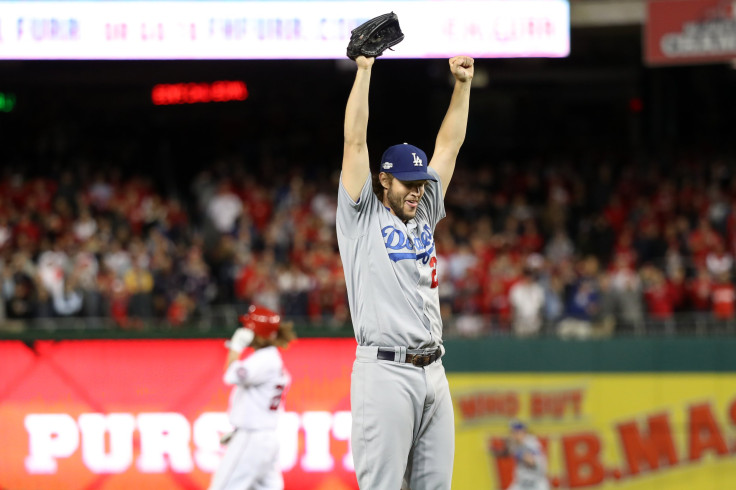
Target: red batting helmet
column 263, row 322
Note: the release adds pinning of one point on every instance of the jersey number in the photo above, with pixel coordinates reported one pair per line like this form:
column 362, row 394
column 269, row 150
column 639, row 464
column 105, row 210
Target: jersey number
column 276, row 400
column 433, row 265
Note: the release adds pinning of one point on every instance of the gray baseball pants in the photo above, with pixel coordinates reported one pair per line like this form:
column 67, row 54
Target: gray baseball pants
column 403, row 430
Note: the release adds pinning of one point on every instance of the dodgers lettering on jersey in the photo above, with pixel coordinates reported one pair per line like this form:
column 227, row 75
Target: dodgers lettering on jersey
column 402, row 247
column 391, row 268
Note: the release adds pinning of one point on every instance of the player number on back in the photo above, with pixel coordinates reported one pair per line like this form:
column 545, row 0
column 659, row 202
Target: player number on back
column 276, row 400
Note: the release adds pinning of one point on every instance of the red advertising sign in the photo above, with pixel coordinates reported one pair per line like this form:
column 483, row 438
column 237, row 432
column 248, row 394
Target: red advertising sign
column 690, row 31
column 149, row 413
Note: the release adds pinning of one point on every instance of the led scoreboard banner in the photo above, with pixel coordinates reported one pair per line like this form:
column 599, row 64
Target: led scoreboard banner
column 192, row 93
column 302, row 29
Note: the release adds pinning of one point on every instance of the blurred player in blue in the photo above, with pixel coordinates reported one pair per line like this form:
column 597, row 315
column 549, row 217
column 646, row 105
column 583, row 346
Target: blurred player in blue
column 530, row 472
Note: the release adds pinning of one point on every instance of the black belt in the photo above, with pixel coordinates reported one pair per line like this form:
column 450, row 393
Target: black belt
column 419, row 360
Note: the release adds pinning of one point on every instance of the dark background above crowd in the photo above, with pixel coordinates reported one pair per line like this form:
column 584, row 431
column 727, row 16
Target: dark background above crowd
column 600, row 98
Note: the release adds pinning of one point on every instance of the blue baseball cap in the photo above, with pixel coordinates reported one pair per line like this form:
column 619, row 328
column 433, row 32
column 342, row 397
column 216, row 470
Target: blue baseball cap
column 406, row 162
column 517, row 425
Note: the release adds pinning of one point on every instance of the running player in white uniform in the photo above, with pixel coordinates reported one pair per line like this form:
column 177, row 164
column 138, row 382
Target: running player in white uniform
column 259, row 381
column 403, row 422
column 530, row 470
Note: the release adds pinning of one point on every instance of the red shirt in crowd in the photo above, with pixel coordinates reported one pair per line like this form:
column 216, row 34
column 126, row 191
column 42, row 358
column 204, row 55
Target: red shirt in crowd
column 261, row 208
column 702, row 240
column 659, row 300
column 615, row 213
column 724, row 299
column 27, row 228
column 699, row 291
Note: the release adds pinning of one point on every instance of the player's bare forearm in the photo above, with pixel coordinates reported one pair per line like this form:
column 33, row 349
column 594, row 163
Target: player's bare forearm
column 451, row 134
column 452, row 131
column 232, row 356
column 355, row 163
column 356, row 110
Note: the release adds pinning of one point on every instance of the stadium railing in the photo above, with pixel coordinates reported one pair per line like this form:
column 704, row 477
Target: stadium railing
column 220, row 321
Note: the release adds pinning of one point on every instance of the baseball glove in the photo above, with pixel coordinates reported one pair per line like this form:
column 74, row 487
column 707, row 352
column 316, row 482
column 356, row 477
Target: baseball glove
column 375, row 36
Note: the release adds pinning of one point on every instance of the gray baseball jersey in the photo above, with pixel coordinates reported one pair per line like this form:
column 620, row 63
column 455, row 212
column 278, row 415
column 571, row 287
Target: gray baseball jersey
column 526, row 478
column 403, row 421
column 391, row 268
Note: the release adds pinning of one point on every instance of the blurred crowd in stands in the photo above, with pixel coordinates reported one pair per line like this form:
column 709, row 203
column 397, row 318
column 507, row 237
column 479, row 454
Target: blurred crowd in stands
column 580, row 247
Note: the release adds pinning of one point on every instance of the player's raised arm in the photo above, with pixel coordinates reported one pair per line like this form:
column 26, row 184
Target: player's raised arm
column 452, row 132
column 355, row 164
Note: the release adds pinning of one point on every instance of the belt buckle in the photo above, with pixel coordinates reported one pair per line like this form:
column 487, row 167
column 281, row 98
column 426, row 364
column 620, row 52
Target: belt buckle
column 421, row 360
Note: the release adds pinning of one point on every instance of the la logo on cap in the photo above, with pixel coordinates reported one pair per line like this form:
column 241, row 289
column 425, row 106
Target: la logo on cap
column 406, row 162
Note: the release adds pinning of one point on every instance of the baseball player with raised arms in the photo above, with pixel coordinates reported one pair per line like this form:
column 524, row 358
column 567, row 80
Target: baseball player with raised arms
column 530, row 470
column 259, row 382
column 403, row 421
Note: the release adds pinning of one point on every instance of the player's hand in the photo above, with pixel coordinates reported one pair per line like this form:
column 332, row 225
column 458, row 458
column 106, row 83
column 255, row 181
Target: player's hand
column 528, row 459
column 364, row 63
column 241, row 339
column 462, row 68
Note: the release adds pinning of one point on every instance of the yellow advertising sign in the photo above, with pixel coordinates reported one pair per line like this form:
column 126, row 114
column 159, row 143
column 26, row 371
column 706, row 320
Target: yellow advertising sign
column 601, row 431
